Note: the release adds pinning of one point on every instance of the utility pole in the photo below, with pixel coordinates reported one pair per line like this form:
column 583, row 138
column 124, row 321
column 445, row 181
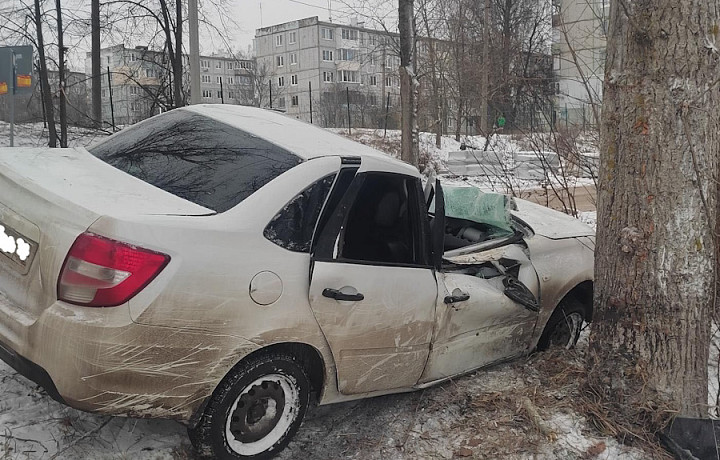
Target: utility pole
column 61, row 79
column 95, row 63
column 485, row 72
column 194, row 52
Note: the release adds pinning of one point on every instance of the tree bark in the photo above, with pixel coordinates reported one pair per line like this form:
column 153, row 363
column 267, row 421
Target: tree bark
column 410, row 146
column 657, row 198
column 95, row 63
column 49, row 109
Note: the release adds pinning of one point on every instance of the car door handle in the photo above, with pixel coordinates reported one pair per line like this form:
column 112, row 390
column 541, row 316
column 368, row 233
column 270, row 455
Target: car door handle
column 457, row 297
column 337, row 295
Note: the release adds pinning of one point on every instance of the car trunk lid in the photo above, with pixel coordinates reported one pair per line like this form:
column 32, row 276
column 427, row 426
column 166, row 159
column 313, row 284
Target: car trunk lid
column 49, row 197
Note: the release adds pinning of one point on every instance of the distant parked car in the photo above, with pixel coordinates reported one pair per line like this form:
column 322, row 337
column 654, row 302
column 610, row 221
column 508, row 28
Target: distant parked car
column 224, row 266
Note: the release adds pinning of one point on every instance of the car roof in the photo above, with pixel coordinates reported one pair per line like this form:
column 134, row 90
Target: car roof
column 301, row 138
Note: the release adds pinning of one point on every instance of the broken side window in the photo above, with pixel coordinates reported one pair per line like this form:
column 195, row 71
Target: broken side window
column 292, row 228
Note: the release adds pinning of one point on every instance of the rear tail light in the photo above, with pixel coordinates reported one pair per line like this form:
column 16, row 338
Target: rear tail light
column 100, row 272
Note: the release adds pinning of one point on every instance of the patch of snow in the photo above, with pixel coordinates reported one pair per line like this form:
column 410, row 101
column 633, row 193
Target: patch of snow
column 589, row 218
column 34, row 426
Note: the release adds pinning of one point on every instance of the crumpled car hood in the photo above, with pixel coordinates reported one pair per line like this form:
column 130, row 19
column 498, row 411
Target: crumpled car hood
column 550, row 223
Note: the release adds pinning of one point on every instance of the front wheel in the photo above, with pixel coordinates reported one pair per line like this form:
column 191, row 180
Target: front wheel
column 255, row 411
column 564, row 326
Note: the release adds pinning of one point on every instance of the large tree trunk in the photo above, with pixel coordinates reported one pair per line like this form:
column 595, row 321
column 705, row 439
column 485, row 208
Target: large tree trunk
column 410, row 146
column 47, row 95
column 95, row 63
column 655, row 256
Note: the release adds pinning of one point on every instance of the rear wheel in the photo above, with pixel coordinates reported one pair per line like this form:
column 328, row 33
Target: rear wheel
column 564, row 326
column 255, row 411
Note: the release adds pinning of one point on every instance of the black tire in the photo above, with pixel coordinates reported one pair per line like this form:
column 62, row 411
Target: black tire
column 242, row 421
column 564, row 326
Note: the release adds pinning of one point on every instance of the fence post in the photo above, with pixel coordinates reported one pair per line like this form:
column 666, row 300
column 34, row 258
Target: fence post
column 387, row 111
column 112, row 109
column 347, row 92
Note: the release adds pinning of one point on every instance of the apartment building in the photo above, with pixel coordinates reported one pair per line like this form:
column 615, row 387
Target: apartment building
column 137, row 82
column 311, row 64
column 579, row 40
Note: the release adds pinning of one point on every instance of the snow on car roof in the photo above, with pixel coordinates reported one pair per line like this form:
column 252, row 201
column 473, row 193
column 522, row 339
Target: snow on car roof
column 303, row 139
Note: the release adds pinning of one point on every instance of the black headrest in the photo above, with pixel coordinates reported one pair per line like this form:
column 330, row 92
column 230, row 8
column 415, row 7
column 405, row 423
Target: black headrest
column 388, row 209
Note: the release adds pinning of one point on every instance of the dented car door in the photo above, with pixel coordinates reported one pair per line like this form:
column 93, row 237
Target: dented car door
column 489, row 307
column 373, row 289
column 488, row 312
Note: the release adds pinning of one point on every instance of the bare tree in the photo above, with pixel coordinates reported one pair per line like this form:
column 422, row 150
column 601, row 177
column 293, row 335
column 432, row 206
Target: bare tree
column 47, row 99
column 656, row 254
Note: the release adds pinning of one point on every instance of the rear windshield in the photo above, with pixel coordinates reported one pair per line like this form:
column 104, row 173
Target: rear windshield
column 197, row 158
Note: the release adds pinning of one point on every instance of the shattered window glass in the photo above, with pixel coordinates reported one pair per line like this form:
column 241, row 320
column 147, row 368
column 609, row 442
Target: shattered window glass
column 196, row 158
column 472, row 204
column 292, row 228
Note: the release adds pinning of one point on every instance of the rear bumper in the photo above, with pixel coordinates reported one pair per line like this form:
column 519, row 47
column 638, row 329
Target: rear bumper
column 99, row 360
column 30, row 371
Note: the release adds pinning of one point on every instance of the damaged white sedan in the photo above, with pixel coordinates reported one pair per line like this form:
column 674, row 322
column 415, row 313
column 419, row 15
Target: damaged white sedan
column 225, row 266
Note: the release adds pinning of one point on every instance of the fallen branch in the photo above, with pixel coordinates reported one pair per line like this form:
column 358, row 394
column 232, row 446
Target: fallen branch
column 76, row 441
column 535, row 418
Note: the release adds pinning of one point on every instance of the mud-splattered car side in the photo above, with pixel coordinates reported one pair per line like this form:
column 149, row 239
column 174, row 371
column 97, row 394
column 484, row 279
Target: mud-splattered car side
column 224, row 265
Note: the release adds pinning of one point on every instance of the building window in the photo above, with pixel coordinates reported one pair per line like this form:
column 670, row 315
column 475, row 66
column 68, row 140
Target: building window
column 328, row 77
column 243, row 65
column 294, row 101
column 292, row 38
column 205, row 78
column 231, row 80
column 373, row 99
column 293, row 80
column 205, row 64
column 219, row 94
column 104, row 94
column 278, row 40
column 280, row 61
column 349, row 34
column 326, row 34
column 228, row 65
column 218, row 65
column 134, row 90
column 218, row 80
column 206, row 94
column 133, row 58
column 388, row 81
column 281, row 81
column 372, row 39
column 293, row 58
column 231, row 95
column 373, row 80
column 372, row 59
column 327, row 55
column 350, row 76
column 281, row 102
column 347, row 55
